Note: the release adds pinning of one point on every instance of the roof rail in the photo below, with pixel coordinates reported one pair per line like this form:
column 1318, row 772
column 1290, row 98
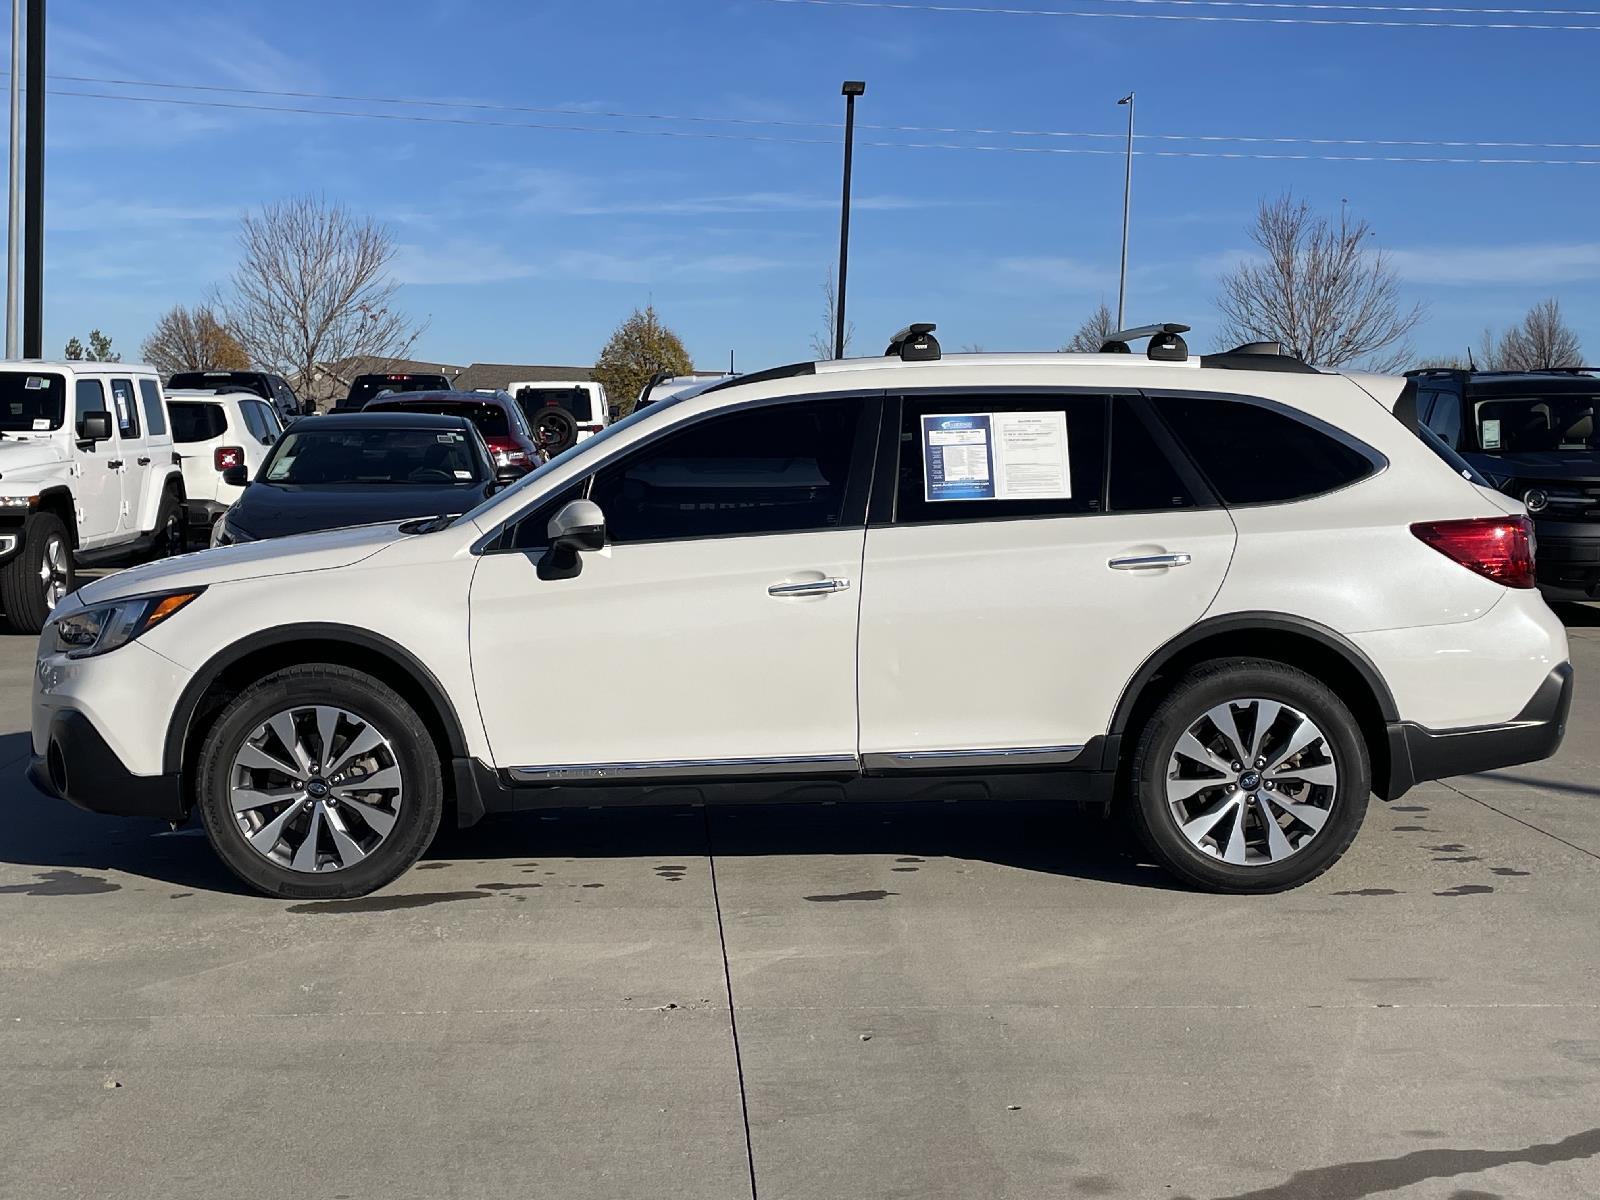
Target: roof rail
column 915, row 343
column 1259, row 356
column 1165, row 344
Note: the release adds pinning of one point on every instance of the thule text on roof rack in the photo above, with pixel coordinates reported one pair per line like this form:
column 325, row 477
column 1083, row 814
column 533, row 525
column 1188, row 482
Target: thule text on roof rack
column 1165, row 344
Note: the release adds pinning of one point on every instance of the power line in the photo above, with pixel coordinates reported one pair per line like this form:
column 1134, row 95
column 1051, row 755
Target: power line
column 907, row 6
column 1376, row 8
column 413, row 118
column 476, row 105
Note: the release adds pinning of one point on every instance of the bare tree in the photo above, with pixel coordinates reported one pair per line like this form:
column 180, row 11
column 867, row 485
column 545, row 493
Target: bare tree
column 1093, row 333
column 822, row 347
column 193, row 340
column 313, row 289
column 1320, row 290
column 1542, row 340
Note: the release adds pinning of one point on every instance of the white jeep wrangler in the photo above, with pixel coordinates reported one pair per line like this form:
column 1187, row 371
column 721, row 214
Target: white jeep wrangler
column 87, row 474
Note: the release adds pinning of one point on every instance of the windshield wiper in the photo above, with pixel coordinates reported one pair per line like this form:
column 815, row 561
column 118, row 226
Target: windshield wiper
column 429, row 525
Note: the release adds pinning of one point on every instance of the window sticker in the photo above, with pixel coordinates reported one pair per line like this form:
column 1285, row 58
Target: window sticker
column 445, row 439
column 36, row 383
column 1491, row 434
column 996, row 456
column 463, row 474
column 41, row 422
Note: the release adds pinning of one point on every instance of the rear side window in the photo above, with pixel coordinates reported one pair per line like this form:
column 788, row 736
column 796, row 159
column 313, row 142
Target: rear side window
column 1253, row 454
column 1143, row 478
column 154, row 419
column 193, row 422
column 987, row 457
column 127, row 407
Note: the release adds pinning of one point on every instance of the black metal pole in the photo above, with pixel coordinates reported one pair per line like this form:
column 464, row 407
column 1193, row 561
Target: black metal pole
column 851, row 91
column 33, row 198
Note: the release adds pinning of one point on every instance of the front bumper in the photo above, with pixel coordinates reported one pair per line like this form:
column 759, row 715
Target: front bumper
column 1418, row 754
column 203, row 514
column 78, row 766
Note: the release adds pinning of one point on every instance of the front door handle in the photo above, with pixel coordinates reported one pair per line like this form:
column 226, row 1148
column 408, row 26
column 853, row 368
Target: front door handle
column 1149, row 562
column 815, row 587
column 114, row 463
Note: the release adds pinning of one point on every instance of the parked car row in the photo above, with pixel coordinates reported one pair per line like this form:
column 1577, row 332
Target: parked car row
column 1230, row 596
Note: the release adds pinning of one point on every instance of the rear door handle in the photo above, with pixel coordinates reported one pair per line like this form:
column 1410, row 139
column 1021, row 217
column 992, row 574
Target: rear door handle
column 144, row 462
column 115, row 464
column 1149, row 562
column 815, row 587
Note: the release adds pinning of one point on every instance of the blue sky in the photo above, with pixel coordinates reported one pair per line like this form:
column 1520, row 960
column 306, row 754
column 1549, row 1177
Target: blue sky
column 525, row 245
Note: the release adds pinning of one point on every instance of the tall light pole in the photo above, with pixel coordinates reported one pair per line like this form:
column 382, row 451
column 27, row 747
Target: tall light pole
column 850, row 91
column 14, row 219
column 1127, row 195
column 33, row 202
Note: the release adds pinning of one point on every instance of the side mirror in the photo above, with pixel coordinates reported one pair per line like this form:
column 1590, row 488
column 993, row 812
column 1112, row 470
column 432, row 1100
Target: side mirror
column 95, row 427
column 579, row 526
column 236, row 476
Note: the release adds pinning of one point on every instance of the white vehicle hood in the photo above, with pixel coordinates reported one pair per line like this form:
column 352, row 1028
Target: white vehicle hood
column 247, row 560
column 20, row 455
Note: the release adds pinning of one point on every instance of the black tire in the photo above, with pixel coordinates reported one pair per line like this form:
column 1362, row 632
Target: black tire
column 1233, row 681
column 26, row 583
column 172, row 529
column 555, row 429
column 364, row 697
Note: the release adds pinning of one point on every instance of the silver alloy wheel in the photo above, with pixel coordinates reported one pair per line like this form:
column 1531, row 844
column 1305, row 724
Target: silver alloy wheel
column 55, row 571
column 1252, row 782
column 315, row 788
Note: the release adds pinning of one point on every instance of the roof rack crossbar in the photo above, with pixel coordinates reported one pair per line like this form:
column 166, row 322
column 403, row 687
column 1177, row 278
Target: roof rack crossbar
column 1165, row 344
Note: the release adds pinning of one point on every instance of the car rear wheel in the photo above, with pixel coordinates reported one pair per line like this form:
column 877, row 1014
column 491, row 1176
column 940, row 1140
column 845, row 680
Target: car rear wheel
column 319, row 782
column 37, row 576
column 1250, row 776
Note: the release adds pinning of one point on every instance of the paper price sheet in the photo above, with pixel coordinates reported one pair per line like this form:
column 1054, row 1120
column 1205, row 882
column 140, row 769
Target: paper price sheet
column 996, row 456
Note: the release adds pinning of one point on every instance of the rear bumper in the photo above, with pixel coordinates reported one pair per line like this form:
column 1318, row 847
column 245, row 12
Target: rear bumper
column 1568, row 559
column 78, row 766
column 1418, row 754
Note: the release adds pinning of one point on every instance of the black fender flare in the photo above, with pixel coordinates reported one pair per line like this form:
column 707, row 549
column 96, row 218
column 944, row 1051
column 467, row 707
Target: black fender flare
column 1241, row 622
column 281, row 635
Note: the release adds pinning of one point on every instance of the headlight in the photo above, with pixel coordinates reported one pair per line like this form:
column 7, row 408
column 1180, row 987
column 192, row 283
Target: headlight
column 228, row 533
column 105, row 627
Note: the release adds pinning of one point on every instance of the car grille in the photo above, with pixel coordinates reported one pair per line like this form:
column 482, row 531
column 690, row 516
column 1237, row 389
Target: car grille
column 1566, row 501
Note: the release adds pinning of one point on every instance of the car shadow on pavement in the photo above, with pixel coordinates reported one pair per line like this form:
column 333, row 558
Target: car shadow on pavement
column 1048, row 838
column 49, row 835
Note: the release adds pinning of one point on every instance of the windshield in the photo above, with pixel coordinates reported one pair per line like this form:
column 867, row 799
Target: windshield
column 30, row 403
column 369, row 387
column 574, row 399
column 1523, row 423
column 414, row 457
column 594, row 446
column 490, row 419
column 233, row 381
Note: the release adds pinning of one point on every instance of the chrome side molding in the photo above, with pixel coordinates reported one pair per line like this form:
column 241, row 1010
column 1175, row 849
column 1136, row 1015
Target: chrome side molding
column 1020, row 756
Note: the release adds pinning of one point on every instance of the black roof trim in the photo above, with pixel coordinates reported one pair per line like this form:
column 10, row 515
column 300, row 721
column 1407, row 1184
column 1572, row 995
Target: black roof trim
column 388, row 418
column 792, row 371
column 1233, row 360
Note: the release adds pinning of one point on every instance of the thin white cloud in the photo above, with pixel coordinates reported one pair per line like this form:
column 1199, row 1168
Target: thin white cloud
column 1065, row 274
column 1534, row 263
column 467, row 261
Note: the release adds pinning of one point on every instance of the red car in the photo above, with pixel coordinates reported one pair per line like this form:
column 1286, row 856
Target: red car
column 496, row 414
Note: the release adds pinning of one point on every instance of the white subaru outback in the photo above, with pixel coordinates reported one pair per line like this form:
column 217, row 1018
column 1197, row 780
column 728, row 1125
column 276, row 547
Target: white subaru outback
column 1232, row 594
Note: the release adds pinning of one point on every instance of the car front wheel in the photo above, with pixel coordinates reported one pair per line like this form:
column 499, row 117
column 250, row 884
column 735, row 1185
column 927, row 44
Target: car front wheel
column 1250, row 776
column 319, row 782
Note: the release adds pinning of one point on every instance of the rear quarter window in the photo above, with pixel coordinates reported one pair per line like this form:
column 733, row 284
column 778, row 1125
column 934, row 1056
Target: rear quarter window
column 1252, row 452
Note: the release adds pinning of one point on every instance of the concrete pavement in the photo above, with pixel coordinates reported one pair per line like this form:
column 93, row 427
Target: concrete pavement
column 937, row 1001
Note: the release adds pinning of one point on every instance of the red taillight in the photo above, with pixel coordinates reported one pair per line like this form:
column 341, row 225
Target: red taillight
column 1498, row 548
column 227, row 456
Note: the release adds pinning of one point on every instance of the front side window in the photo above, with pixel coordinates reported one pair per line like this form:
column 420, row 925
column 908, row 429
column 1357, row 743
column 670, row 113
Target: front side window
column 1251, row 453
column 374, row 456
column 155, row 419
column 127, row 407
column 33, row 403
column 91, row 397
column 986, row 457
column 776, row 469
column 1518, row 424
